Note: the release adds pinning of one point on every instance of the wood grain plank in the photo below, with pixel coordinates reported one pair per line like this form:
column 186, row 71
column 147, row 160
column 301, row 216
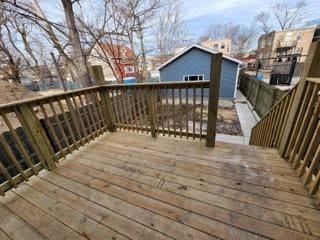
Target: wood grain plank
column 45, row 224
column 170, row 198
column 248, row 204
column 16, row 228
column 80, row 183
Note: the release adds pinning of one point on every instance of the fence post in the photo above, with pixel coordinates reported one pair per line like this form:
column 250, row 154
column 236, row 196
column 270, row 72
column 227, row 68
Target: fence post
column 311, row 69
column 151, row 95
column 214, row 86
column 105, row 98
column 37, row 135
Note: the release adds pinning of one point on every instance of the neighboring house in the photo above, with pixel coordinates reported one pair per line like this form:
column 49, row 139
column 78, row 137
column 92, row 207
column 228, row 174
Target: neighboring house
column 193, row 64
column 122, row 60
column 282, row 46
column 220, row 45
column 153, row 63
column 249, row 59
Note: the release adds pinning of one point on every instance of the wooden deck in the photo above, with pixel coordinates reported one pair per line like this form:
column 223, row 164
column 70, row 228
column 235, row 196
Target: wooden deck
column 131, row 186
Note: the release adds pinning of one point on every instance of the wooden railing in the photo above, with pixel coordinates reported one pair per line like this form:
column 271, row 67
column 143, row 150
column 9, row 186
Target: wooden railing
column 36, row 133
column 39, row 132
column 293, row 124
column 173, row 109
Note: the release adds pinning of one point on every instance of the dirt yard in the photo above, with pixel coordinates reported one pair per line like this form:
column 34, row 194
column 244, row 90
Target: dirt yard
column 228, row 121
column 11, row 92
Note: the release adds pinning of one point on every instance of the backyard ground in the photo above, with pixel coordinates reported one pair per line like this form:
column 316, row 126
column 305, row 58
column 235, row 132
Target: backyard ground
column 228, row 121
column 11, row 92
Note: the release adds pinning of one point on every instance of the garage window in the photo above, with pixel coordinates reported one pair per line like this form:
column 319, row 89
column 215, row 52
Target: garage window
column 193, row 77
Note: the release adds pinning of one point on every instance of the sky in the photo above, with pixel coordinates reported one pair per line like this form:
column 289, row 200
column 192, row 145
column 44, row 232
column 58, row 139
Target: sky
column 199, row 14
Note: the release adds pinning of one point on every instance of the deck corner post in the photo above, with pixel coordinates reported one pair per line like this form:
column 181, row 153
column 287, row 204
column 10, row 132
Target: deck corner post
column 37, row 135
column 311, row 69
column 151, row 98
column 105, row 98
column 214, row 86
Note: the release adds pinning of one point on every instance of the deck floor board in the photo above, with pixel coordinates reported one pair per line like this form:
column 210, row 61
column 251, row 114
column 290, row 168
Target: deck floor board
column 131, row 186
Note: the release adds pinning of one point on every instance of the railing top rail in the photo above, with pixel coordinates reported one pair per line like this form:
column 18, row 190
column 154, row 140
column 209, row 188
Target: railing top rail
column 315, row 80
column 111, row 86
column 37, row 99
column 170, row 83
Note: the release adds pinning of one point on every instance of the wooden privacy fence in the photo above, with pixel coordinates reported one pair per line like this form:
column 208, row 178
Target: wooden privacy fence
column 261, row 95
column 293, row 124
column 36, row 133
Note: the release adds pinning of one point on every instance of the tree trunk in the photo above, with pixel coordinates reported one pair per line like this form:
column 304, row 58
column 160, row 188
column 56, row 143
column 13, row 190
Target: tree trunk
column 79, row 56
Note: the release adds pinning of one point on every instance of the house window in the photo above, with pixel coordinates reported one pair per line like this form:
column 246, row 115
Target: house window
column 299, row 35
column 216, row 46
column 129, row 69
column 193, row 77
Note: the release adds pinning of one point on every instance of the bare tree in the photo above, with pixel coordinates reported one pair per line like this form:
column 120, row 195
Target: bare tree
column 10, row 63
column 263, row 21
column 242, row 37
column 287, row 15
column 170, row 29
column 215, row 31
column 135, row 15
column 78, row 53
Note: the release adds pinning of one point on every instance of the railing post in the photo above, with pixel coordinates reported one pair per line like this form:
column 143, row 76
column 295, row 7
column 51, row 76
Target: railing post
column 105, row 98
column 214, row 86
column 37, row 135
column 311, row 69
column 151, row 95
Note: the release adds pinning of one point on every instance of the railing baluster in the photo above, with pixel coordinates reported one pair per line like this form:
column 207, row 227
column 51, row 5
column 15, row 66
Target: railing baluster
column 11, row 156
column 152, row 110
column 129, row 107
column 64, row 136
column 133, row 104
column 87, row 117
column 173, row 113
column 194, row 113
column 162, row 113
column 141, row 118
column 181, row 111
column 82, row 124
column 20, row 146
column 187, row 112
column 91, row 113
column 66, row 120
column 52, row 130
column 167, row 111
column 4, row 171
column 201, row 112
column 115, row 107
column 118, row 104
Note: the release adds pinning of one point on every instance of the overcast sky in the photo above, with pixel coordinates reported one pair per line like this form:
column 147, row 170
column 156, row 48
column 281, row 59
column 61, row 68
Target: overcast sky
column 200, row 13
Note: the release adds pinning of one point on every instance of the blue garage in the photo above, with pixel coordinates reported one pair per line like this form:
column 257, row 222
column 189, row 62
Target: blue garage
column 193, row 64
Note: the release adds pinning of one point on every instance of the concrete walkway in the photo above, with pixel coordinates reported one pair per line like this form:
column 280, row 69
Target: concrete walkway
column 247, row 122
